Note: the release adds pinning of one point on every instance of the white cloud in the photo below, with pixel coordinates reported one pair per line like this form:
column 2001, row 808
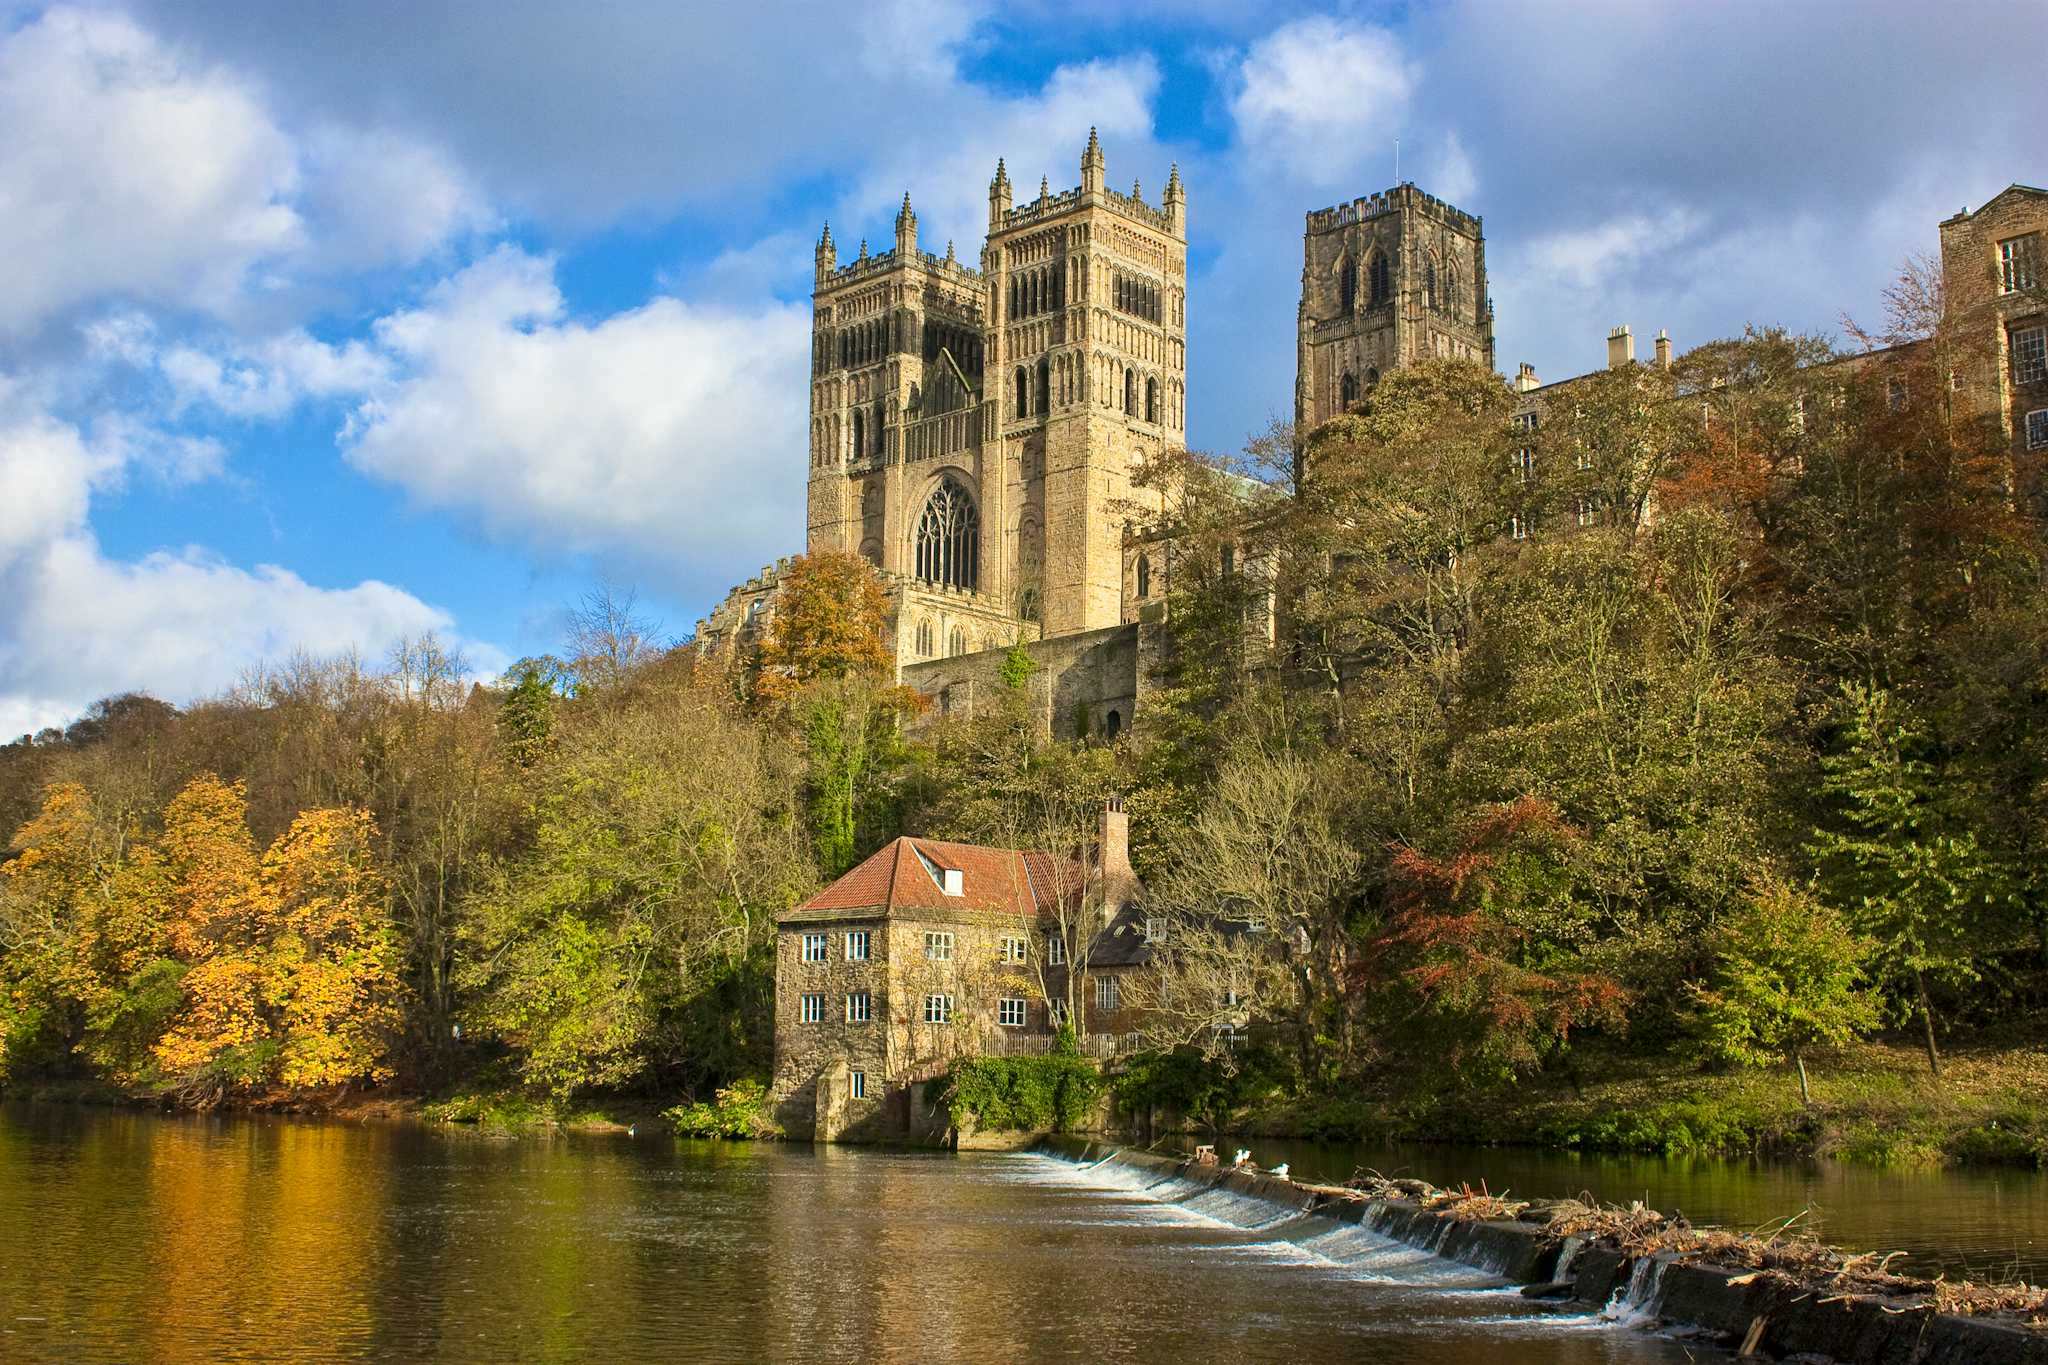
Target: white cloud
column 671, row 436
column 127, row 169
column 138, row 171
column 76, row 625
column 1591, row 257
column 1321, row 97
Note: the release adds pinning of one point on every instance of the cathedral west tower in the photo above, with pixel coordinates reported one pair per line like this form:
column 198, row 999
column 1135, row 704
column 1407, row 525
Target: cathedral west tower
column 974, row 432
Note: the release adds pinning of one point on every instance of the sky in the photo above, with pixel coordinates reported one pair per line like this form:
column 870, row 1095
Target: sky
column 323, row 326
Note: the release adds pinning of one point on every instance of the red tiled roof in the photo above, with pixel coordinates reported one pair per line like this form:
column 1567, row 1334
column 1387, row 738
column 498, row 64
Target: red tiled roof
column 991, row 879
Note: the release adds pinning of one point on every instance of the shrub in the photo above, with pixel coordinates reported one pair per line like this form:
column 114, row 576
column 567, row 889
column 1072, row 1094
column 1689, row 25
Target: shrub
column 1054, row 1093
column 737, row 1111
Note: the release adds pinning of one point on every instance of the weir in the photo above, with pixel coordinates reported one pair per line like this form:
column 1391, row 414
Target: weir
column 1396, row 1242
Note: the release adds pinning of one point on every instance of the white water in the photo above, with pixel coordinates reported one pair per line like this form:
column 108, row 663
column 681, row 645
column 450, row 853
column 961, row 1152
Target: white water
column 1277, row 1235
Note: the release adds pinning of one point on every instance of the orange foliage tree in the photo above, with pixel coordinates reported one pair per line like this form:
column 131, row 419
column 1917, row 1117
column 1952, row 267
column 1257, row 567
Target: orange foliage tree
column 1482, row 941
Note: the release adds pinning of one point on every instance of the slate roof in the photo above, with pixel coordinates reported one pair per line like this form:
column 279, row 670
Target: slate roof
column 998, row 879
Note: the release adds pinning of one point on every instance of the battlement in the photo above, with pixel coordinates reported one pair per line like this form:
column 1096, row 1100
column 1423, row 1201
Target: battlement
column 1404, row 195
column 1052, row 205
column 882, row 262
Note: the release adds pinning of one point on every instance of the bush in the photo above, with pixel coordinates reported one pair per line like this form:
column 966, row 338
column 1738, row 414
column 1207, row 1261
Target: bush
column 738, row 1111
column 1055, row 1093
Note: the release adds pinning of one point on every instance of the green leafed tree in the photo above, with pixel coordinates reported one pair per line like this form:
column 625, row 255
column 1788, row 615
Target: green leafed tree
column 1787, row 978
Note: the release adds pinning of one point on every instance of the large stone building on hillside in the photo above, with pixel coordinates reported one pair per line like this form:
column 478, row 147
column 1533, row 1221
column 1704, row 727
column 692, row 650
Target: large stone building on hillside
column 974, row 430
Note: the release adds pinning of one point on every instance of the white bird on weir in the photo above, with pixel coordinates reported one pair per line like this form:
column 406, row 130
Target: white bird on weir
column 1279, row 1171
column 1243, row 1155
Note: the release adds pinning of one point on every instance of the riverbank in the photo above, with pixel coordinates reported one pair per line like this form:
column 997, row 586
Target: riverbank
column 1873, row 1103
column 483, row 1108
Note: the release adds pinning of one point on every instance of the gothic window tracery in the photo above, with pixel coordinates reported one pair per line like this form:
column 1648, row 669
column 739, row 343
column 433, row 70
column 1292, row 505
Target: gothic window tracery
column 1429, row 283
column 1347, row 389
column 958, row 643
column 1347, row 285
column 1381, row 281
column 949, row 538
column 924, row 639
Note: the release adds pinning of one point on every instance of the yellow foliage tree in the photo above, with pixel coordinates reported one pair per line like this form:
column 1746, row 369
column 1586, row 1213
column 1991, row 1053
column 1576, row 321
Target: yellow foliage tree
column 828, row 624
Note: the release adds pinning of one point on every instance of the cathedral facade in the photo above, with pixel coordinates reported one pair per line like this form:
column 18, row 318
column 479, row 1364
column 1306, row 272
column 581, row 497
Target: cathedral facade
column 974, row 431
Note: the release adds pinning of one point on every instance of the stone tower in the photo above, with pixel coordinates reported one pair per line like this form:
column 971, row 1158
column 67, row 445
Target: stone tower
column 1087, row 357
column 1391, row 279
column 974, row 432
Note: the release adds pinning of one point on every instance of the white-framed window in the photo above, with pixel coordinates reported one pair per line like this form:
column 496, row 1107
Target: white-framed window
column 1014, row 948
column 1155, row 929
column 1055, row 950
column 1107, row 992
column 1518, row 528
column 857, row 1084
column 2019, row 263
column 2037, row 429
column 2030, row 355
column 1585, row 512
column 1525, row 463
column 1056, row 1012
column 814, row 1008
column 938, row 1009
column 1010, row 1012
column 814, row 947
column 860, row 1007
column 1527, row 421
column 857, row 945
column 938, row 947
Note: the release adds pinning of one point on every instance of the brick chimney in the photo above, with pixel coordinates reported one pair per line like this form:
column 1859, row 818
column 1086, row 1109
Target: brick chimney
column 1114, row 851
column 1621, row 348
column 1663, row 349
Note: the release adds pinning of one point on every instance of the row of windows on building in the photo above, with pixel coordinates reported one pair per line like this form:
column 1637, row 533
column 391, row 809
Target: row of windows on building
column 1035, row 400
column 1011, row 949
column 1139, row 298
column 1012, row 1011
column 1033, row 292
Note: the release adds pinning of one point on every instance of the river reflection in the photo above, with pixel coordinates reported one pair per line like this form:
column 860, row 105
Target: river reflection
column 136, row 1237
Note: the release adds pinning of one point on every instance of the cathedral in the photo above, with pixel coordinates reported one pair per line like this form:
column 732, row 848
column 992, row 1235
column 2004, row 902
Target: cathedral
column 974, row 431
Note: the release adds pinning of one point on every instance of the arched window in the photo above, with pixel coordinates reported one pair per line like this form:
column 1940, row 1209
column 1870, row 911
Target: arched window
column 860, row 434
column 949, row 538
column 1130, row 393
column 1144, row 576
column 1152, row 400
column 1382, row 284
column 1044, row 386
column 1112, row 725
column 924, row 639
column 1023, row 394
column 1372, row 376
column 1453, row 300
column 1347, row 285
column 1429, row 284
column 1347, row 390
column 958, row 643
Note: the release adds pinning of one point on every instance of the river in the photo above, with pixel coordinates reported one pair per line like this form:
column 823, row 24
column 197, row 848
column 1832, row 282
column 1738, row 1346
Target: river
column 127, row 1236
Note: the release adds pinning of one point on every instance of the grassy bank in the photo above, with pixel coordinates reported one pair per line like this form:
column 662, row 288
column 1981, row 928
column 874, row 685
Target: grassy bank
column 1873, row 1102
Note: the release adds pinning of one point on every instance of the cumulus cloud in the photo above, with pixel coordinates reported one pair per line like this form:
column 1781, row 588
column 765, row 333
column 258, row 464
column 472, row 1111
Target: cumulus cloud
column 129, row 169
column 76, row 625
column 139, row 170
column 1322, row 97
column 671, row 436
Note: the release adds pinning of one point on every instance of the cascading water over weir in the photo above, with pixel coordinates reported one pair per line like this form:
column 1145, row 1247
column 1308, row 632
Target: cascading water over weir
column 1583, row 1286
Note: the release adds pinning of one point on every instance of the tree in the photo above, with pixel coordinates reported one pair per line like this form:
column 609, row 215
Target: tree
column 828, row 619
column 1787, row 978
column 1484, row 941
column 1902, row 861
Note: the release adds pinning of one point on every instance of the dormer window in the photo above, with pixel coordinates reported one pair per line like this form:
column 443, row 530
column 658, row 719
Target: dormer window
column 951, row 881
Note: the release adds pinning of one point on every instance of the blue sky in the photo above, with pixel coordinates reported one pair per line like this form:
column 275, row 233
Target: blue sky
column 327, row 325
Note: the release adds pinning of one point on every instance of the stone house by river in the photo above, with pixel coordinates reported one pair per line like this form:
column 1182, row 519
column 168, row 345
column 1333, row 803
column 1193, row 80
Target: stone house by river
column 931, row 951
